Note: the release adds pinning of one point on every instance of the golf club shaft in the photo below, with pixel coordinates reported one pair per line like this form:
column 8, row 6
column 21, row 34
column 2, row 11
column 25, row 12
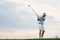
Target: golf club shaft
column 34, row 11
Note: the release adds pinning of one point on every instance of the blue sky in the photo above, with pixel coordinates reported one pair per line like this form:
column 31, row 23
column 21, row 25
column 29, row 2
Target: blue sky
column 17, row 20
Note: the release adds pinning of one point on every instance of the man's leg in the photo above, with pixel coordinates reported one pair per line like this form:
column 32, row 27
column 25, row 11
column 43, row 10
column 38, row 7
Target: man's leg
column 40, row 33
column 43, row 33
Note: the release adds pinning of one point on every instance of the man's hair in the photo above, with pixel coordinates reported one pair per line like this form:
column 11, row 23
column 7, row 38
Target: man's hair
column 44, row 14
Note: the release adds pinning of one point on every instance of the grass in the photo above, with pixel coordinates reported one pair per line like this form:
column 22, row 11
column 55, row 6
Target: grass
column 45, row 39
column 35, row 39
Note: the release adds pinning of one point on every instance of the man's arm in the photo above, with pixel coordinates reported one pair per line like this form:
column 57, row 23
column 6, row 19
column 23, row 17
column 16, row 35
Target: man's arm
column 38, row 18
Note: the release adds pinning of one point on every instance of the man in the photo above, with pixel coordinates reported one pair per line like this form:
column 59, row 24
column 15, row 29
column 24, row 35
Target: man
column 41, row 24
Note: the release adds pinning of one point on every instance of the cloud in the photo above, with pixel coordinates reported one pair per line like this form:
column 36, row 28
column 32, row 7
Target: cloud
column 7, row 15
column 11, row 20
column 19, row 34
column 16, row 18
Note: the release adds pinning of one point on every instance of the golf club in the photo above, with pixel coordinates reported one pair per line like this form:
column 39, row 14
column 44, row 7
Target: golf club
column 33, row 10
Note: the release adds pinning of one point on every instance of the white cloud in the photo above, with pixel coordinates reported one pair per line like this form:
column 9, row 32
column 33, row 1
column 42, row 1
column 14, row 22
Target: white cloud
column 20, row 34
column 16, row 15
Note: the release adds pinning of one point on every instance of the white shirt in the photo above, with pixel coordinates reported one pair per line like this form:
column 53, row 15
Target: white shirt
column 41, row 21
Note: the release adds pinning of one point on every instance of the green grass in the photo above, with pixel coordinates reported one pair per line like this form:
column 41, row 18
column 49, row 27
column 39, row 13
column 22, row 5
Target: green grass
column 34, row 39
column 45, row 39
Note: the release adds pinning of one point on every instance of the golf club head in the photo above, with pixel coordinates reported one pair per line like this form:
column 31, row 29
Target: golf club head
column 28, row 5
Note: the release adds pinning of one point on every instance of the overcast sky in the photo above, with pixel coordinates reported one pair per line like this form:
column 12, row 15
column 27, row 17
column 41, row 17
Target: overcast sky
column 17, row 20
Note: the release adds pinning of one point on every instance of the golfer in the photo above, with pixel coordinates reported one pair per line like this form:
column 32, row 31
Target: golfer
column 41, row 24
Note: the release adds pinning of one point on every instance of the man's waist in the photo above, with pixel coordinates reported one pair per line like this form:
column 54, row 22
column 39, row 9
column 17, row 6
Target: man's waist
column 41, row 23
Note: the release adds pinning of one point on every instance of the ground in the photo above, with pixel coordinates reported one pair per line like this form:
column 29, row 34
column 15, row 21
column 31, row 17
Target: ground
column 34, row 39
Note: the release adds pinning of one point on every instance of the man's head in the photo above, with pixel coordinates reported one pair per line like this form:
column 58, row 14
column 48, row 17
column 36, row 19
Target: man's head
column 44, row 14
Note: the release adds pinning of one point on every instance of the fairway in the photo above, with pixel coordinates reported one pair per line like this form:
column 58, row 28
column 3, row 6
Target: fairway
column 34, row 39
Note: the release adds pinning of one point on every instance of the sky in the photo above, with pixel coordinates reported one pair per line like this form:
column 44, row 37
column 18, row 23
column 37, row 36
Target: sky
column 17, row 20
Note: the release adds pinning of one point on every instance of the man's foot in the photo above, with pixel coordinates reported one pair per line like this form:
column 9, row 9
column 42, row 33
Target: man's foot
column 40, row 37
